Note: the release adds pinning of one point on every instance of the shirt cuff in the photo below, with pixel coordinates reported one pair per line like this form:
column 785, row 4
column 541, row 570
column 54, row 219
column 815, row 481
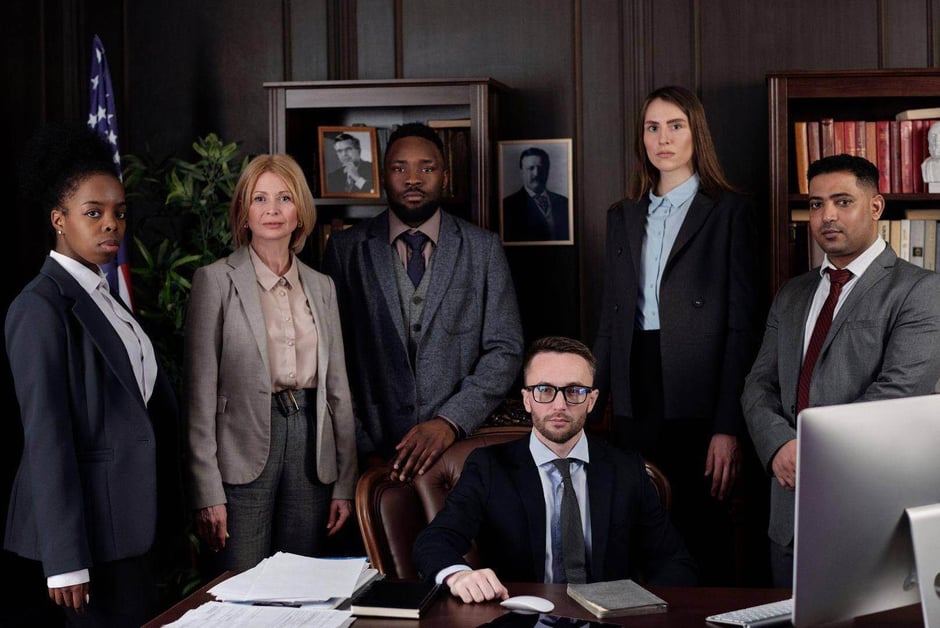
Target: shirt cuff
column 458, row 432
column 67, row 579
column 446, row 571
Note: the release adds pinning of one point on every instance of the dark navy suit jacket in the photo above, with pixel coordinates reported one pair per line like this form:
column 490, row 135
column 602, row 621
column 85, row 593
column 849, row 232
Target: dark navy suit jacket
column 86, row 488
column 498, row 503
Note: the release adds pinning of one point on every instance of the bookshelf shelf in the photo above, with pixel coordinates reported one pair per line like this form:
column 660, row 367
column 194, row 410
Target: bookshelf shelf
column 841, row 95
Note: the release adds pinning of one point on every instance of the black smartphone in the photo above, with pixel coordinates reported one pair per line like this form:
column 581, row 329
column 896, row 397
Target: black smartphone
column 520, row 620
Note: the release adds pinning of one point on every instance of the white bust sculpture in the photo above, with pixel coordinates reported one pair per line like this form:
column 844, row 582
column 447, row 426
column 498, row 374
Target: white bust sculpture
column 931, row 166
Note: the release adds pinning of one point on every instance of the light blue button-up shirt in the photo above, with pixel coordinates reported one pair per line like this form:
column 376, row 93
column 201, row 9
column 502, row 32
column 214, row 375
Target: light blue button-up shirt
column 663, row 220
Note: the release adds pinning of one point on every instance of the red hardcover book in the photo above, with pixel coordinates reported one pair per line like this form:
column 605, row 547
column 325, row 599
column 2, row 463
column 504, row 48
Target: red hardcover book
column 883, row 144
column 838, row 136
column 802, row 155
column 827, row 137
column 907, row 156
column 894, row 140
column 861, row 144
column 848, row 138
column 871, row 141
column 812, row 141
column 918, row 153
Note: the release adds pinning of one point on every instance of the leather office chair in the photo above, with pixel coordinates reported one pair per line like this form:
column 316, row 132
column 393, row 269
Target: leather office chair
column 392, row 514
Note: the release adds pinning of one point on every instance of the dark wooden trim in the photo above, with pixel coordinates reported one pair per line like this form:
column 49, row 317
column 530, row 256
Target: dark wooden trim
column 287, row 69
column 933, row 48
column 696, row 35
column 882, row 10
column 399, row 40
column 342, row 40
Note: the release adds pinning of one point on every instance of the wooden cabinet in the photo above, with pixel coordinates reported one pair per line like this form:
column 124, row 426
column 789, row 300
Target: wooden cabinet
column 297, row 109
column 842, row 95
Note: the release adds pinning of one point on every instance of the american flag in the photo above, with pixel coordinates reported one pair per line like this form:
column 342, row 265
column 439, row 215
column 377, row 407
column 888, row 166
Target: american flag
column 103, row 120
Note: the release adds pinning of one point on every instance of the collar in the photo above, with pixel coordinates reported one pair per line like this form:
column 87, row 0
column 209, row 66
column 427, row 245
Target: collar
column 533, row 194
column 88, row 279
column 677, row 195
column 430, row 227
column 266, row 277
column 543, row 455
column 861, row 263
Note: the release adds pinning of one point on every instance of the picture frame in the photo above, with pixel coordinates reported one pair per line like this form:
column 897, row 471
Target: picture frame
column 535, row 207
column 349, row 165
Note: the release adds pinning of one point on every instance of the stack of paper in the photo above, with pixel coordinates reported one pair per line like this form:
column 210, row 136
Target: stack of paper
column 293, row 579
column 221, row 615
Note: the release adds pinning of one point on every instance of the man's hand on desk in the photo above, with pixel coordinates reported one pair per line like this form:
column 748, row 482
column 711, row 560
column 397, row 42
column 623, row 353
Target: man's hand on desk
column 478, row 585
column 212, row 526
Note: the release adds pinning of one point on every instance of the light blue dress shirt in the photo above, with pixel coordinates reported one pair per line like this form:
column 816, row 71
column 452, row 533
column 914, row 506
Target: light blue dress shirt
column 663, row 220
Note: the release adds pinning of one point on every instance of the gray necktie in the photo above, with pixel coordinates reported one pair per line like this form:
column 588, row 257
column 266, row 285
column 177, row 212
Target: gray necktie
column 572, row 534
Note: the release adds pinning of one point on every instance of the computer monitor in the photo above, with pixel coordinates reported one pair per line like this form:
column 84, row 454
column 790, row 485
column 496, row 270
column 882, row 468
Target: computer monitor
column 858, row 467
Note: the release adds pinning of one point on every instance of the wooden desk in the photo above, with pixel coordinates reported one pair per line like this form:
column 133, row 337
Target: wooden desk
column 688, row 606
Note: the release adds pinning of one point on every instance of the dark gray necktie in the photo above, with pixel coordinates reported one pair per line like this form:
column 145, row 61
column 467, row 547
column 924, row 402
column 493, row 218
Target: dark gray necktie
column 572, row 534
column 415, row 242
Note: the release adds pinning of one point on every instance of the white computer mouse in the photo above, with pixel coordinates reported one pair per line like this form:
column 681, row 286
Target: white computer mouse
column 528, row 604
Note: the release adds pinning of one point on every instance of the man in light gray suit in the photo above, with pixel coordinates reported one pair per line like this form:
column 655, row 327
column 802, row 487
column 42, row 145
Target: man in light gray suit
column 430, row 320
column 883, row 341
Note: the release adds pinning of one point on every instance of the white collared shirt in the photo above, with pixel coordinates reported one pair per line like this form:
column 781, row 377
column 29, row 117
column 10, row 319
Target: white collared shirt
column 136, row 343
column 857, row 267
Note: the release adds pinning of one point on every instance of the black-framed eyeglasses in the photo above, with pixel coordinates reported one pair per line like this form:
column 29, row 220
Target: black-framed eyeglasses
column 546, row 393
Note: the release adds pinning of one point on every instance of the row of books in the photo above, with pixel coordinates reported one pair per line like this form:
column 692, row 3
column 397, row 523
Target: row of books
column 896, row 147
column 915, row 239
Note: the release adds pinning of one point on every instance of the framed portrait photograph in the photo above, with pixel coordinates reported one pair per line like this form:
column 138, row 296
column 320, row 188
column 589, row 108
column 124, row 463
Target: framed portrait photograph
column 535, row 191
column 348, row 162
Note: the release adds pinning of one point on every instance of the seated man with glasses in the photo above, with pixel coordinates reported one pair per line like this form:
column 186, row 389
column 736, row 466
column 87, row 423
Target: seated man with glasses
column 559, row 506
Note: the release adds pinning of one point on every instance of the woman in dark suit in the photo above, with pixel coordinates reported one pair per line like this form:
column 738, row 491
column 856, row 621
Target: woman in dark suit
column 677, row 327
column 84, row 501
column 272, row 453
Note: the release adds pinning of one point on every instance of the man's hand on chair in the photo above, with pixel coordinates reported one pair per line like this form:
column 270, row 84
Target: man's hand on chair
column 421, row 447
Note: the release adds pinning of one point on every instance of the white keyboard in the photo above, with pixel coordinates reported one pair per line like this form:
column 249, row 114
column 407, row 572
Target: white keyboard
column 773, row 614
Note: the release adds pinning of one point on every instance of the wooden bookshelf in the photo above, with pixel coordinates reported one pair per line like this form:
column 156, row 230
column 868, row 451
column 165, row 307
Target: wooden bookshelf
column 297, row 109
column 842, row 95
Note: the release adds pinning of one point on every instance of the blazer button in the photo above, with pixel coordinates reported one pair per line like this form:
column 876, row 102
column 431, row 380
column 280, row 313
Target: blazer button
column 417, row 300
column 616, row 308
column 416, row 327
column 698, row 303
column 619, row 250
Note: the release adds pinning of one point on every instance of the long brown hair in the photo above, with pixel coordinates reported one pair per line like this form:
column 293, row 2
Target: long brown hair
column 704, row 159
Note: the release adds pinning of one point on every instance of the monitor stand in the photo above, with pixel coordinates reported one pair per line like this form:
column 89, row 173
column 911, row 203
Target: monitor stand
column 925, row 534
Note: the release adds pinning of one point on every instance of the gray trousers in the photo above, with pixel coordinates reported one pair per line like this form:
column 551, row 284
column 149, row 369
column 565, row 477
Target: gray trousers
column 286, row 508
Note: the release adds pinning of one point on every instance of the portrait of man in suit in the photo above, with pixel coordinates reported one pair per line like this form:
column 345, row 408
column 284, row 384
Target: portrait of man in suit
column 865, row 325
column 558, row 506
column 354, row 175
column 534, row 213
column 430, row 320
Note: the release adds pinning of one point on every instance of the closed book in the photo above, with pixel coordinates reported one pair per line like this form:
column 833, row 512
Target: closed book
column 896, row 237
column 838, row 137
column 917, row 241
column 884, row 230
column 616, row 598
column 919, row 114
column 827, row 137
column 861, row 141
column 394, row 598
column 813, row 148
column 894, row 139
column 904, row 247
column 848, row 138
column 884, row 157
column 930, row 244
column 905, row 129
column 802, row 156
column 918, row 153
column 871, row 142
column 922, row 214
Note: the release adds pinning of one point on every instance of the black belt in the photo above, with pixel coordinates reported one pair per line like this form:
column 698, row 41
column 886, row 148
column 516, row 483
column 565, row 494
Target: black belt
column 289, row 402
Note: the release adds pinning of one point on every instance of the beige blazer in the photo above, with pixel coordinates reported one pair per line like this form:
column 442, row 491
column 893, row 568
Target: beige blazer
column 228, row 382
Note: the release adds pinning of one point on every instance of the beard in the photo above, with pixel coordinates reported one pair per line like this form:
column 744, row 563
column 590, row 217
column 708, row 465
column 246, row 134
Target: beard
column 416, row 216
column 564, row 434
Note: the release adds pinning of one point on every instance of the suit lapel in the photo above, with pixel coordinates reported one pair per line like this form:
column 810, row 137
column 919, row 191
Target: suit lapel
column 528, row 485
column 872, row 275
column 99, row 329
column 635, row 228
column 600, row 481
column 792, row 325
column 245, row 281
column 698, row 213
column 317, row 307
column 378, row 256
column 442, row 265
